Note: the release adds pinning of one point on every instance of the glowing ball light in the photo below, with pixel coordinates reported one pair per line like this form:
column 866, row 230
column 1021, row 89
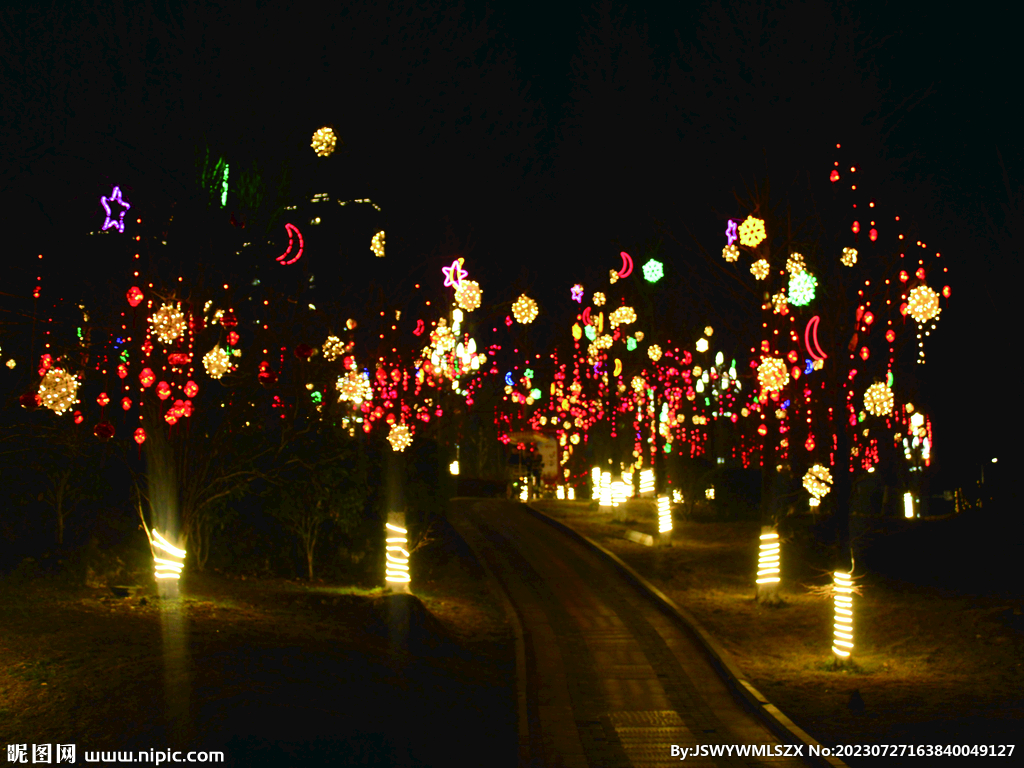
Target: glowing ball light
column 654, row 352
column 878, row 400
column 801, row 288
column 759, row 269
column 168, row 323
column 730, row 253
column 654, row 270
column 795, row 264
column 772, row 374
column 333, row 348
column 324, row 141
column 524, row 309
column 638, row 384
column 377, row 244
column 134, row 296
column 923, row 304
column 599, row 299
column 780, row 304
column 752, row 232
column 849, row 257
column 468, row 295
column 354, row 387
column 622, row 316
column 58, row 390
column 217, row 362
column 701, row 345
column 818, row 481
column 400, row 437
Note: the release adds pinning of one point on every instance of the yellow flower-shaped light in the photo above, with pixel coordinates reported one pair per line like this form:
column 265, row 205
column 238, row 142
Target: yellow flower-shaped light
column 354, row 387
column 324, row 141
column 752, row 232
column 878, row 400
column 759, row 269
column 849, row 257
column 468, row 295
column 599, row 299
column 638, row 384
column 654, row 352
column 524, row 310
column 923, row 304
column 730, row 252
column 217, row 362
column 795, row 263
column 780, row 305
column 772, row 374
column 622, row 316
column 333, row 348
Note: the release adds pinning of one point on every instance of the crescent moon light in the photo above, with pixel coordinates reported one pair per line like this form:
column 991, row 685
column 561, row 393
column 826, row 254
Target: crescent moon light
column 811, row 331
column 586, row 316
column 618, row 367
column 293, row 232
column 627, row 265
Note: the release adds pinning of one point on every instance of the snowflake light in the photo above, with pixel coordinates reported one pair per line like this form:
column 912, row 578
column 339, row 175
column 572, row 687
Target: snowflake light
column 654, row 352
column 524, row 310
column 654, row 270
column 801, row 288
column 878, row 400
column 923, row 304
column 730, row 252
column 599, row 299
column 217, row 362
column 701, row 346
column 377, row 244
column 818, row 481
column 58, row 390
column 354, row 387
column 333, row 348
column 772, row 374
column 324, row 141
column 759, row 269
column 752, row 232
column 795, row 264
column 849, row 257
column 168, row 323
column 468, row 295
column 400, row 437
column 622, row 316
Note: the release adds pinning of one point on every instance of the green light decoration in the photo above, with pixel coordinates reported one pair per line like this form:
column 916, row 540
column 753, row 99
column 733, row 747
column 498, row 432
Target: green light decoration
column 630, row 343
column 528, row 373
column 801, row 288
column 124, row 355
column 889, row 380
column 654, row 270
column 535, row 394
column 591, row 332
column 224, row 186
column 316, row 397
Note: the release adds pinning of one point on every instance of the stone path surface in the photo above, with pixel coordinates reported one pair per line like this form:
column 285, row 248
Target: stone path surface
column 610, row 680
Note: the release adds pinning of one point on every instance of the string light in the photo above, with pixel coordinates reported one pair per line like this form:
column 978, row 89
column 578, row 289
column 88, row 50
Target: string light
column 118, row 222
column 768, row 559
column 760, row 269
column 324, row 141
column 170, row 565
column 396, row 567
column 524, row 309
column 849, row 257
column 646, row 481
column 878, row 400
column 842, row 596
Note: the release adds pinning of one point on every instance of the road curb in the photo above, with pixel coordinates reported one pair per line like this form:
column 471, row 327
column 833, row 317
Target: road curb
column 788, row 731
column 467, row 533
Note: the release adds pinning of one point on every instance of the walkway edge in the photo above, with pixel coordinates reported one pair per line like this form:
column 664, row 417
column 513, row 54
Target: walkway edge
column 517, row 627
column 722, row 660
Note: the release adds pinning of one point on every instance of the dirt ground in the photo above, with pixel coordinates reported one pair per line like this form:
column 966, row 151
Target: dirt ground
column 932, row 666
column 271, row 672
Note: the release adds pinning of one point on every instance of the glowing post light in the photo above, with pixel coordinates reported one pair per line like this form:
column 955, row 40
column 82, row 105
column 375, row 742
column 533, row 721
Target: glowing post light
column 169, row 566
column 396, row 568
column 454, row 467
column 664, row 515
column 842, row 596
column 560, row 493
column 570, row 493
column 595, row 483
column 646, row 481
column 619, row 492
column 709, row 494
column 908, row 504
column 768, row 558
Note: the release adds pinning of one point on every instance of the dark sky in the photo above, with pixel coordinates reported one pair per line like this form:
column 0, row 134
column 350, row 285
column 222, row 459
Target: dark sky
column 538, row 138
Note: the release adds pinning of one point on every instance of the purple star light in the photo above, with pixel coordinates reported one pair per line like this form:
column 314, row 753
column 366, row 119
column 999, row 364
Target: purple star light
column 577, row 293
column 730, row 232
column 453, row 275
column 115, row 197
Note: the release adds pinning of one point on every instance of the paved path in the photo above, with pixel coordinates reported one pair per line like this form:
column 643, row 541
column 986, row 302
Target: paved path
column 611, row 680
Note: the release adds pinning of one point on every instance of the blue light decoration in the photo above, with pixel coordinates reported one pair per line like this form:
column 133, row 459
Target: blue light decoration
column 508, row 379
column 115, row 197
column 808, row 366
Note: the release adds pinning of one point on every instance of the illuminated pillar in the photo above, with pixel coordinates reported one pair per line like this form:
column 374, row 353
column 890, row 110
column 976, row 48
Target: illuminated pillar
column 769, row 558
column 595, row 483
column 664, row 518
column 908, row 504
column 842, row 596
column 560, row 492
column 168, row 560
column 646, row 482
column 396, row 550
column 571, row 493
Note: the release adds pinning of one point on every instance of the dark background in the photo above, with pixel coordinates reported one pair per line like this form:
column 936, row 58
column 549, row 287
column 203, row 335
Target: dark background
column 535, row 139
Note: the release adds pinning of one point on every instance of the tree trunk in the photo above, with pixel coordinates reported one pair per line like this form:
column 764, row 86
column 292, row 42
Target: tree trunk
column 842, row 488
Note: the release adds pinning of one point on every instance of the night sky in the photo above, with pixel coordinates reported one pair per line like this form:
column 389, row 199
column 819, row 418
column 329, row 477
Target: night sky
column 536, row 139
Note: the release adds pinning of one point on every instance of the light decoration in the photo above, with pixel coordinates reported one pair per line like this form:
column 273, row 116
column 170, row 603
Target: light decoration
column 58, row 390
column 654, row 352
column 811, row 341
column 168, row 323
column 842, row 597
column 772, row 374
column 570, row 493
column 468, row 295
column 400, row 436
column 622, row 316
column 217, row 362
column 849, row 257
column 801, row 288
column 396, row 567
column 595, row 483
column 333, row 348
column 118, row 222
column 709, row 493
column 908, row 505
column 923, row 304
column 453, row 468
column 795, row 264
column 730, row 253
column 454, row 273
column 780, row 304
column 524, row 309
column 878, row 400
column 354, row 387
column 620, row 493
column 293, row 235
column 752, row 232
column 599, row 299
column 324, row 141
column 135, row 296
column 818, row 481
column 646, row 481
column 677, row 496
column 627, row 265
column 701, row 345
column 377, row 244
column 654, row 270
column 524, row 493
column 664, row 515
column 171, row 560
column 760, row 269
column 577, row 293
column 768, row 558
column 730, row 232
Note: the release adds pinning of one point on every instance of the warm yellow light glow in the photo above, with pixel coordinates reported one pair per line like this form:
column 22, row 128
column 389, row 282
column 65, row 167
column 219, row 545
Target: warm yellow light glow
column 622, row 316
column 454, row 467
column 677, row 496
column 323, row 141
column 795, row 264
column 923, row 304
column 752, row 232
column 619, row 492
column 908, row 504
column 710, row 493
column 730, row 252
column 168, row 567
column 595, row 483
column 654, row 352
column 571, row 493
column 524, row 309
column 760, row 269
column 646, row 481
column 333, row 348
column 560, row 493
column 599, row 299
column 818, row 481
column 377, row 244
column 168, row 323
column 524, row 492
column 400, row 437
column 396, row 567
column 664, row 515
column 842, row 596
column 701, row 345
column 849, row 257
column 878, row 400
column 217, row 362
column 468, row 295
column 354, row 387
column 768, row 559
column 58, row 390
column 772, row 374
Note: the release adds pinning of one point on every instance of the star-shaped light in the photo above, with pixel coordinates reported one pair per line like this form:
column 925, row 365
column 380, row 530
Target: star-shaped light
column 115, row 197
column 453, row 275
column 577, row 293
column 730, row 232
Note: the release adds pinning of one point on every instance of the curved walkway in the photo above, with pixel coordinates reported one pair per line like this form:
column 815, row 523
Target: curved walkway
column 610, row 679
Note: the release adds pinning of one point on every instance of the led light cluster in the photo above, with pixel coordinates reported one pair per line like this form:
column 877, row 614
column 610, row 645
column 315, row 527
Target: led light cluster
column 772, row 374
column 396, row 567
column 170, row 566
column 333, row 348
column 759, row 269
column 377, row 244
column 842, row 596
column 654, row 352
column 849, row 257
column 622, row 316
column 795, row 264
column 58, row 390
column 468, row 295
column 923, row 304
column 168, row 323
column 324, row 141
column 768, row 559
column 818, row 481
column 730, row 252
column 664, row 515
column 878, row 400
column 354, row 387
column 400, row 437
column 524, row 310
column 599, row 299
column 752, row 232
column 217, row 362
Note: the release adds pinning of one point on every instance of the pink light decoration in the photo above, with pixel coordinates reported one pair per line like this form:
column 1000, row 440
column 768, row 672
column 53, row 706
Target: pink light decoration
column 454, row 274
column 586, row 316
column 811, row 331
column 115, row 197
column 627, row 265
column 293, row 232
column 134, row 296
column 577, row 293
column 730, row 232
column 419, row 328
